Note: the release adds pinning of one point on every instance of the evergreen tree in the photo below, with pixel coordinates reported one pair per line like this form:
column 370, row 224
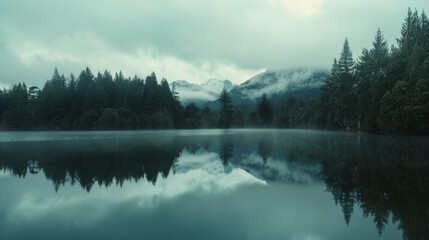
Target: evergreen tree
column 192, row 116
column 339, row 91
column 265, row 110
column 404, row 107
column 346, row 64
column 328, row 95
column 54, row 103
column 226, row 110
column 373, row 80
column 17, row 115
column 3, row 102
column 84, row 82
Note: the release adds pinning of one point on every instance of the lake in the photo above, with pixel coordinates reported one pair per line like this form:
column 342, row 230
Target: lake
column 213, row 184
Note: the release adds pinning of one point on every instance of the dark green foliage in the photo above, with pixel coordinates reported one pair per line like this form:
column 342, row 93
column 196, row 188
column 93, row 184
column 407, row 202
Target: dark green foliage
column 4, row 103
column 404, row 108
column 100, row 103
column 298, row 113
column 17, row 114
column 192, row 116
column 226, row 110
column 388, row 91
column 339, row 92
column 265, row 111
column 373, row 80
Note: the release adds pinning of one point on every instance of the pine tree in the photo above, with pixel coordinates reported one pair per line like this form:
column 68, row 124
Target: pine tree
column 265, row 110
column 226, row 110
column 328, row 96
column 339, row 92
column 373, row 80
column 346, row 63
column 17, row 116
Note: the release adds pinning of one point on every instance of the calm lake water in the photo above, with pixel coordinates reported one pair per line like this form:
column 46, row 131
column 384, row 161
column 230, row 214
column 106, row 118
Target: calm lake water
column 213, row 184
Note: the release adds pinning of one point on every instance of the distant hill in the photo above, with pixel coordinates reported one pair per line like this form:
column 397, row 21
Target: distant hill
column 298, row 83
column 201, row 93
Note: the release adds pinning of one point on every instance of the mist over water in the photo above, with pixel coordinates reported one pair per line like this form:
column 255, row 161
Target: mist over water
column 213, row 184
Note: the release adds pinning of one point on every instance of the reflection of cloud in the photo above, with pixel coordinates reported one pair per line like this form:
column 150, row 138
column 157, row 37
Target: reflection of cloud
column 142, row 193
column 4, row 174
column 209, row 162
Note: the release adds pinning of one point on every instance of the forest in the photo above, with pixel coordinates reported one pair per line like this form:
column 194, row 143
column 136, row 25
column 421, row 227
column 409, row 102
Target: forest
column 384, row 90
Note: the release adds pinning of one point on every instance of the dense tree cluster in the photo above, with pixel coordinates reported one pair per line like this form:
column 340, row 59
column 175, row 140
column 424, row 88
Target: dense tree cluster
column 385, row 90
column 226, row 110
column 91, row 102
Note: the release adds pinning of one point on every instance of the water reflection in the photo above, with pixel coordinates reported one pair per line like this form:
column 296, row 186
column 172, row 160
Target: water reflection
column 386, row 177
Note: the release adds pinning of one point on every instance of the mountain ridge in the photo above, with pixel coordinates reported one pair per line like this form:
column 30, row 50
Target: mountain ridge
column 299, row 83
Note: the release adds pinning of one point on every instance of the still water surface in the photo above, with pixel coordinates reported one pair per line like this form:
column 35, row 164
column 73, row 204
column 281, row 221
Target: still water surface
column 213, row 184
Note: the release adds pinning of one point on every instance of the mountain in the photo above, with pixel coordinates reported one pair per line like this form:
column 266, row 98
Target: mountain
column 280, row 84
column 201, row 93
column 298, row 83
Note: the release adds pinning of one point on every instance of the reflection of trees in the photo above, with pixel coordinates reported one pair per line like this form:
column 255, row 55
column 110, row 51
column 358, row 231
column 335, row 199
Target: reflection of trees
column 386, row 177
column 264, row 149
column 91, row 162
column 226, row 149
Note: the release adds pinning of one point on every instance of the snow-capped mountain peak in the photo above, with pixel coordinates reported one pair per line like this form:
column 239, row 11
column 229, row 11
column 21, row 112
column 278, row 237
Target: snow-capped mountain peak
column 294, row 82
column 216, row 85
column 299, row 83
column 208, row 91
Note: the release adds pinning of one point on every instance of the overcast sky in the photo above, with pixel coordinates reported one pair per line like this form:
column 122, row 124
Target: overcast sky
column 182, row 39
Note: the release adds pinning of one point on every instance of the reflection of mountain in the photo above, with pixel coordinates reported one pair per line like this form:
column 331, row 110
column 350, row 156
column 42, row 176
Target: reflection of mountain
column 385, row 176
column 278, row 170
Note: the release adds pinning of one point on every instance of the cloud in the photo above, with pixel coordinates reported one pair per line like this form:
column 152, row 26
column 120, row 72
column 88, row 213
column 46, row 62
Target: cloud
column 190, row 40
column 300, row 8
column 36, row 206
column 280, row 81
column 81, row 50
column 201, row 172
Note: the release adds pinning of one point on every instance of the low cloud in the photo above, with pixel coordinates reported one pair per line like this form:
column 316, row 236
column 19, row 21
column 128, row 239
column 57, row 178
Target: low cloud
column 91, row 51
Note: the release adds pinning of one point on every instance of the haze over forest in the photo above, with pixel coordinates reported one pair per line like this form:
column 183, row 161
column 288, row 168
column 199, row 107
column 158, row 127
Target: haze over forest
column 383, row 90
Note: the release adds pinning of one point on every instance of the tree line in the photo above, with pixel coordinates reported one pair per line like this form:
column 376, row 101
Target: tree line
column 385, row 90
column 92, row 102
